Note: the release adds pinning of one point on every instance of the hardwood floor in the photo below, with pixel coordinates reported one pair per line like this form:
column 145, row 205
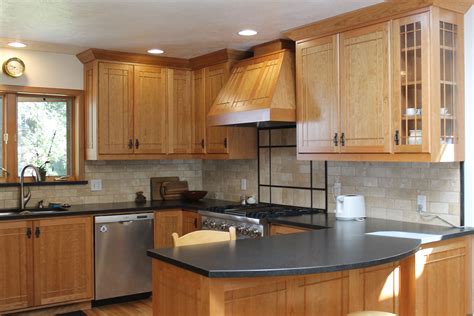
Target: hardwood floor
column 142, row 308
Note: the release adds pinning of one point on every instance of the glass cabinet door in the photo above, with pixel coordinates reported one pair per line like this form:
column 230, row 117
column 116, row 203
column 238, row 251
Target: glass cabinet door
column 448, row 39
column 411, row 83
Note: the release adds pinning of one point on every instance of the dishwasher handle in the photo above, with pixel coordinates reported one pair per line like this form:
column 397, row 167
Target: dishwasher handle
column 106, row 219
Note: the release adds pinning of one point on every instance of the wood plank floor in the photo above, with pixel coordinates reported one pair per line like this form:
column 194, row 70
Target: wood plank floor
column 141, row 308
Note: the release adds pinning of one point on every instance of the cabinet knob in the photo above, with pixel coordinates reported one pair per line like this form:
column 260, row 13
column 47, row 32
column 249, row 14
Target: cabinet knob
column 137, row 143
column 202, row 143
column 28, row 232
column 343, row 139
column 335, row 140
column 130, row 144
column 225, row 142
column 397, row 138
column 37, row 232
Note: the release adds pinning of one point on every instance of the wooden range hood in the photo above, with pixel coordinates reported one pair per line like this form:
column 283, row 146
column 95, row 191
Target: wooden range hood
column 260, row 89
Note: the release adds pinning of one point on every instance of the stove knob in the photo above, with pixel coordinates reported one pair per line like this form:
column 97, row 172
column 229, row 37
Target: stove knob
column 205, row 223
column 240, row 229
column 212, row 224
column 246, row 231
column 224, row 226
column 256, row 233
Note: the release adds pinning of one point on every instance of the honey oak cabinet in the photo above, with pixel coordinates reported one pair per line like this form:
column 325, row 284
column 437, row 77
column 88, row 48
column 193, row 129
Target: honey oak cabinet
column 150, row 108
column 276, row 229
column 116, row 105
column 45, row 262
column 172, row 221
column 16, row 279
column 63, row 260
column 218, row 142
column 391, row 91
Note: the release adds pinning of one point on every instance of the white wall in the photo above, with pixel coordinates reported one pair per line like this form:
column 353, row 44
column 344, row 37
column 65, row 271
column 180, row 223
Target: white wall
column 469, row 104
column 43, row 69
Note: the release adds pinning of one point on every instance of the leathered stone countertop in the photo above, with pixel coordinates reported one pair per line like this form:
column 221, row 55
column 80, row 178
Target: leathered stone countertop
column 331, row 246
column 116, row 208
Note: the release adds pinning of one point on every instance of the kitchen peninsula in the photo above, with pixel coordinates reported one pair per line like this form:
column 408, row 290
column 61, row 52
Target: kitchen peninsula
column 330, row 271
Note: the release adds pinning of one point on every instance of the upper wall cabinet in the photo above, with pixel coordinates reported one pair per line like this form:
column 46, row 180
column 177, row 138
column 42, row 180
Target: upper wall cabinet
column 391, row 91
column 152, row 111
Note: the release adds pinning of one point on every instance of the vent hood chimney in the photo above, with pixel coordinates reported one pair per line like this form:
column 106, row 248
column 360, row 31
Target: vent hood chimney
column 259, row 90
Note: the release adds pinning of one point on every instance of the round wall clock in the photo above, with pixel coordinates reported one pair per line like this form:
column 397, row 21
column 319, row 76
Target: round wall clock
column 14, row 67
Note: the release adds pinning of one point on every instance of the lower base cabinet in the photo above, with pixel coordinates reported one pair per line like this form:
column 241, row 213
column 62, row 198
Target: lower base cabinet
column 46, row 262
column 174, row 221
column 434, row 281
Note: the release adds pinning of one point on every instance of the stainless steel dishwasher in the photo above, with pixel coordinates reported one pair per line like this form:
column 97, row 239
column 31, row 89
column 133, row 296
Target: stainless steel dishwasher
column 121, row 265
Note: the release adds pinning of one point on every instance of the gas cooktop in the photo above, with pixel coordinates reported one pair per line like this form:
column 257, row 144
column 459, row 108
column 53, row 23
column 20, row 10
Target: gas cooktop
column 261, row 211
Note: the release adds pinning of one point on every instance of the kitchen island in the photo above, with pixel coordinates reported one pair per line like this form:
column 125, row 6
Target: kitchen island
column 322, row 272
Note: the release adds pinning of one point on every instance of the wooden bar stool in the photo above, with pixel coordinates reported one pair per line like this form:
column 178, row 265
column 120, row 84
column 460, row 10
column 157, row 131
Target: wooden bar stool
column 203, row 237
column 371, row 313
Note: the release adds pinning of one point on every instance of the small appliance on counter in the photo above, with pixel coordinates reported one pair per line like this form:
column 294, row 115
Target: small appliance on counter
column 350, row 207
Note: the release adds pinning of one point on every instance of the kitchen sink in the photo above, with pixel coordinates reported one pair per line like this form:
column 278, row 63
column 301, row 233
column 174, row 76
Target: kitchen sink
column 425, row 238
column 32, row 211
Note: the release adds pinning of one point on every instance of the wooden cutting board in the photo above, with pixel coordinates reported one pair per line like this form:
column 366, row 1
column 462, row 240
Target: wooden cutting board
column 173, row 190
column 155, row 185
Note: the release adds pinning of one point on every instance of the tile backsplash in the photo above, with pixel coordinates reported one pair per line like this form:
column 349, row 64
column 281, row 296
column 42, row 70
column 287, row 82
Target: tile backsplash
column 120, row 181
column 390, row 189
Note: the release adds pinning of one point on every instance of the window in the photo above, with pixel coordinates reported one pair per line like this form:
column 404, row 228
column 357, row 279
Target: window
column 41, row 127
column 44, row 134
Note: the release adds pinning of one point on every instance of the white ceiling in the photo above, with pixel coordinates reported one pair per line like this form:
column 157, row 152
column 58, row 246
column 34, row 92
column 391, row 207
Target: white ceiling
column 183, row 28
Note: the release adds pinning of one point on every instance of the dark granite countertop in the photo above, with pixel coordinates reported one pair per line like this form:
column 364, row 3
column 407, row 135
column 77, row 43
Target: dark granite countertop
column 117, row 208
column 332, row 246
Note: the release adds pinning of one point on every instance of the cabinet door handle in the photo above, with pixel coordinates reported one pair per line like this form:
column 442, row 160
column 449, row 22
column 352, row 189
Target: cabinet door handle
column 37, row 232
column 28, row 233
column 225, row 142
column 195, row 223
column 343, row 139
column 335, row 140
column 397, row 138
column 202, row 143
column 130, row 144
column 137, row 143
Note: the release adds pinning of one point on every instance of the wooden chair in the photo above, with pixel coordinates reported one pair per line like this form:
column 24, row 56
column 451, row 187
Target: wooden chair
column 371, row 313
column 203, row 237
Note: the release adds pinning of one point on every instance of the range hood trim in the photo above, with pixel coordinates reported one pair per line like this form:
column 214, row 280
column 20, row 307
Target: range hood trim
column 253, row 116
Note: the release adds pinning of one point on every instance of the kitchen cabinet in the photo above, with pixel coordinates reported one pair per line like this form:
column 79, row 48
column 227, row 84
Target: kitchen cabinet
column 199, row 112
column 364, row 78
column 62, row 260
column 180, row 111
column 135, row 110
column 392, row 91
column 116, row 105
column 172, row 221
column 317, row 86
column 16, row 279
column 438, row 277
column 276, row 229
column 191, row 222
column 46, row 262
column 150, row 108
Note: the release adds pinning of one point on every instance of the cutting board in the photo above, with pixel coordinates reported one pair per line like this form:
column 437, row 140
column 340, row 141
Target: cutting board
column 173, row 190
column 155, row 185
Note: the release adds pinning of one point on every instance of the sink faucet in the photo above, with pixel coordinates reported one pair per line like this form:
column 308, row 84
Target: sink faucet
column 25, row 198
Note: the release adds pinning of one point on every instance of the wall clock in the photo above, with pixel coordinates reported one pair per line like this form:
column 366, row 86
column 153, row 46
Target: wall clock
column 14, row 67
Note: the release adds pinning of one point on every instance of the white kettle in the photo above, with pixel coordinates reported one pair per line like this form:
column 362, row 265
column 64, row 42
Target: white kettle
column 350, row 207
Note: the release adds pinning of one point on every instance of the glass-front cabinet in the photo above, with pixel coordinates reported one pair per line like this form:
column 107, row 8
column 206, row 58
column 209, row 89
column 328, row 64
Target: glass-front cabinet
column 427, row 84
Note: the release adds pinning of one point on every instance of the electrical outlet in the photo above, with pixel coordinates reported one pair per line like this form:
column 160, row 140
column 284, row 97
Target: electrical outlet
column 96, row 185
column 243, row 184
column 336, row 189
column 421, row 203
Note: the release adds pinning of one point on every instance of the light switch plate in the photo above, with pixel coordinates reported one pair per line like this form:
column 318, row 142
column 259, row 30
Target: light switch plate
column 421, row 203
column 96, row 185
column 243, row 184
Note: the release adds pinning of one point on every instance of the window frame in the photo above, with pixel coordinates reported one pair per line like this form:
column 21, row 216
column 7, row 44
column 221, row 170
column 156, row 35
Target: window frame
column 10, row 156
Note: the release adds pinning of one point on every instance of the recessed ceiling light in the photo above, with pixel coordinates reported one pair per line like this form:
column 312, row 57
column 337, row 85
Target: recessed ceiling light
column 16, row 44
column 155, row 51
column 248, row 33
